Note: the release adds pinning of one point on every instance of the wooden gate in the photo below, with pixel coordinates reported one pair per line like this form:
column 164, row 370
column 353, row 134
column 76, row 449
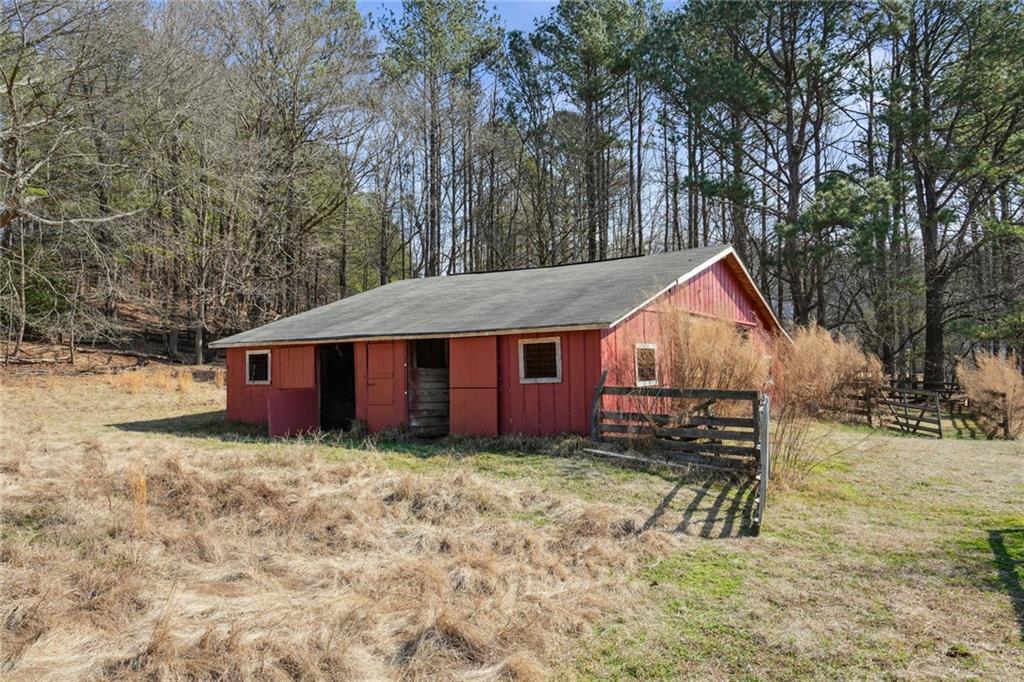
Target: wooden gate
column 683, row 427
column 910, row 410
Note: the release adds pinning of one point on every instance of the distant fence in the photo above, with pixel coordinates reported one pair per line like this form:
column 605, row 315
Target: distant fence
column 908, row 410
column 716, row 429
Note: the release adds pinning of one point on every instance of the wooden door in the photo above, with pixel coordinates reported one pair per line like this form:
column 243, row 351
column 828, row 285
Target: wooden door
column 380, row 381
column 474, row 386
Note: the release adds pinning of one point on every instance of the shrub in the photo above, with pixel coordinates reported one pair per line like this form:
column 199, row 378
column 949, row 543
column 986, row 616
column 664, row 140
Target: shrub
column 996, row 388
column 137, row 489
column 818, row 373
column 710, row 353
column 130, row 382
column 816, row 377
column 162, row 378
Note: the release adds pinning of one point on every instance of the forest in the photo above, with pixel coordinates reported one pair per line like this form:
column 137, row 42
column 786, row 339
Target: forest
column 192, row 169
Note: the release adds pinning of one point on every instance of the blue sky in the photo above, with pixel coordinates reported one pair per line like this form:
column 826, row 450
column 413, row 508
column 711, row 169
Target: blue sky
column 515, row 15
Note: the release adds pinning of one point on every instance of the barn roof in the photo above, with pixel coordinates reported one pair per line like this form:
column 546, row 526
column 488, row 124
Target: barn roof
column 584, row 295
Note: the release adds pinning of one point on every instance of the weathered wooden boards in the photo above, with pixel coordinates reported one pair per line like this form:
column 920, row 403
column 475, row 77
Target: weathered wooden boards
column 428, row 401
column 682, row 427
column 692, row 433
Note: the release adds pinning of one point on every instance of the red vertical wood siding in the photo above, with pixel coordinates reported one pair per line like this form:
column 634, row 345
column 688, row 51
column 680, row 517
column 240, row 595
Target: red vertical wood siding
column 294, row 367
column 473, row 386
column 245, row 403
column 293, row 411
column 549, row 409
column 291, row 367
column 717, row 292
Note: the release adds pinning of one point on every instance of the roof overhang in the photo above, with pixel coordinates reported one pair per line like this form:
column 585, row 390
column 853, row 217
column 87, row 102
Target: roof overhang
column 218, row 345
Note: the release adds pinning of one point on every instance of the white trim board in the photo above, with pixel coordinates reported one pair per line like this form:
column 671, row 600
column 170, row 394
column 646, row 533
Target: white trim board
column 557, row 379
column 270, row 360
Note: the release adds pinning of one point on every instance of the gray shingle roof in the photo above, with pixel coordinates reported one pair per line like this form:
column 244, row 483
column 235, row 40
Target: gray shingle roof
column 582, row 295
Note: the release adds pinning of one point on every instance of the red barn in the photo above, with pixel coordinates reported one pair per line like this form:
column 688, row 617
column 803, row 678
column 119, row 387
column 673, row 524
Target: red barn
column 483, row 354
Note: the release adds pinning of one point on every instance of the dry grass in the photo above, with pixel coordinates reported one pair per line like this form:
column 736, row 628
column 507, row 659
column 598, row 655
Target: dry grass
column 995, row 386
column 307, row 560
column 202, row 566
column 159, row 378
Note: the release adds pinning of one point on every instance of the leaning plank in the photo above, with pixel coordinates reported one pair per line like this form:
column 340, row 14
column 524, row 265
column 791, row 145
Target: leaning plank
column 679, row 420
column 428, row 421
column 912, row 391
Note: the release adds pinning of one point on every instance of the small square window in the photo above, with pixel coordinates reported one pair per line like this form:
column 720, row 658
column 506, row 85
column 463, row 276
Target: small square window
column 646, row 364
column 540, row 361
column 257, row 367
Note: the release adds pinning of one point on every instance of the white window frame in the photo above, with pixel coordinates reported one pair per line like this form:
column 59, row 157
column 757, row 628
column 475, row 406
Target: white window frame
column 250, row 353
column 557, row 379
column 636, row 363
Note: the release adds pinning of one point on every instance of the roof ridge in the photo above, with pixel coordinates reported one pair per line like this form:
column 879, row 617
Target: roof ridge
column 585, row 262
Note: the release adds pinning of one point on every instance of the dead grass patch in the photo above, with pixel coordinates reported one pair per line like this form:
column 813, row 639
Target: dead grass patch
column 282, row 565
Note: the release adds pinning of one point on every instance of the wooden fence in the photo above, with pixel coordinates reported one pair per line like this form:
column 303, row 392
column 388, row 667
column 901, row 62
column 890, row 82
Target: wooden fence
column 683, row 427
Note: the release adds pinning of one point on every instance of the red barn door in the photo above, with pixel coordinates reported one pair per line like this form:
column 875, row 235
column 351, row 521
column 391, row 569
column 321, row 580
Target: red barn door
column 474, row 385
column 385, row 379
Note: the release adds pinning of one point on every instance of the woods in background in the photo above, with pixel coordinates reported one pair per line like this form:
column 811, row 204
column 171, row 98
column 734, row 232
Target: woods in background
column 172, row 166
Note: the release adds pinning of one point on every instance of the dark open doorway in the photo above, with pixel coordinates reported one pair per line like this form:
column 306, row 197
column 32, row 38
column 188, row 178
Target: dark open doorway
column 428, row 388
column 337, row 386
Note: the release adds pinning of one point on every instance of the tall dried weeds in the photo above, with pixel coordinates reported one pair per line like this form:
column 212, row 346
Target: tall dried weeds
column 819, row 377
column 814, row 378
column 184, row 380
column 711, row 353
column 820, row 372
column 138, row 493
column 995, row 387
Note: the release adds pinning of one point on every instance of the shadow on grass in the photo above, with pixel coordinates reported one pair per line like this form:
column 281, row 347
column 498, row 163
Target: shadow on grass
column 1008, row 555
column 731, row 507
column 213, row 424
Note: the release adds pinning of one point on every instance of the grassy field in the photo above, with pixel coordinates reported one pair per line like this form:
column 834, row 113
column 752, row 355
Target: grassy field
column 140, row 535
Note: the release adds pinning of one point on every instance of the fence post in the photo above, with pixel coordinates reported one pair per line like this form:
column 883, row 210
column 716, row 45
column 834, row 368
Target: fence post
column 765, row 460
column 938, row 414
column 595, row 412
column 765, row 419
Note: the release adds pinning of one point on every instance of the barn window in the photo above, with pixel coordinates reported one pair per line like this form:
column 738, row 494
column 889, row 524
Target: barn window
column 257, row 367
column 646, row 364
column 540, row 361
